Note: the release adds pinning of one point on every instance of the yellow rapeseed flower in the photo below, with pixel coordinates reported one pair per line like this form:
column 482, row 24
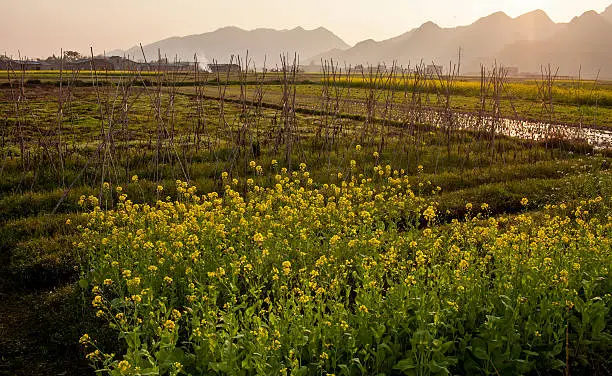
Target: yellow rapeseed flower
column 170, row 325
column 286, row 267
column 259, row 238
column 123, row 366
column 84, row 339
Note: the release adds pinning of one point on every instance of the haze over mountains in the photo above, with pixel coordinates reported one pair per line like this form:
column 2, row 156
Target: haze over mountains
column 584, row 44
column 527, row 42
column 262, row 44
column 479, row 41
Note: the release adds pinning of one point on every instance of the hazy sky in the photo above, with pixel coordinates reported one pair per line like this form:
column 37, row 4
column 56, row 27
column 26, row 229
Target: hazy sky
column 42, row 27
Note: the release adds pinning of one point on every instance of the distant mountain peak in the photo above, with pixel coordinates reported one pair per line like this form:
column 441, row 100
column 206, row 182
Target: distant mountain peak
column 499, row 14
column 536, row 15
column 607, row 14
column 495, row 17
column 589, row 14
column 263, row 45
column 429, row 25
column 229, row 28
column 589, row 20
column 366, row 42
column 526, row 41
column 590, row 27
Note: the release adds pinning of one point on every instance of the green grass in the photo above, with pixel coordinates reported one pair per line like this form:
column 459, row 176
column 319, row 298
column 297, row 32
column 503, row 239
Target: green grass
column 39, row 262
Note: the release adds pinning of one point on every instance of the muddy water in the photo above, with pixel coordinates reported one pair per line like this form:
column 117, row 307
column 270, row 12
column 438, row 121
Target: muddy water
column 529, row 130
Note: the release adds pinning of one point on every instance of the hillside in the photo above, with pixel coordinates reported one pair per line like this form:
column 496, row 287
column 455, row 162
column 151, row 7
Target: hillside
column 607, row 14
column 527, row 42
column 478, row 41
column 262, row 45
column 584, row 44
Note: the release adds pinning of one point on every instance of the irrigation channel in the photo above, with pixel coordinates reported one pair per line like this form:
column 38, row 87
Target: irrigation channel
column 598, row 137
column 529, row 130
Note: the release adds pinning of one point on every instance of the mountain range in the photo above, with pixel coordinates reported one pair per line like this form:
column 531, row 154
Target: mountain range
column 527, row 42
column 582, row 46
column 263, row 45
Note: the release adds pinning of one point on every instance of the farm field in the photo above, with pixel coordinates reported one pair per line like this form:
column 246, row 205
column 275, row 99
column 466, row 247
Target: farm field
column 354, row 100
column 576, row 102
column 301, row 224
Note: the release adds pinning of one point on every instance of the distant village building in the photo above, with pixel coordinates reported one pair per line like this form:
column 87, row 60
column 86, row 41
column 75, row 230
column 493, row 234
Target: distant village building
column 113, row 63
column 224, row 68
column 45, row 65
column 164, row 65
column 17, row 65
column 97, row 63
column 27, row 65
column 123, row 64
column 4, row 64
column 371, row 69
column 434, row 70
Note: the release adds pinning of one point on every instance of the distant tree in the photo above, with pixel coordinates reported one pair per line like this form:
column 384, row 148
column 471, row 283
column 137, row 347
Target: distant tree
column 72, row 56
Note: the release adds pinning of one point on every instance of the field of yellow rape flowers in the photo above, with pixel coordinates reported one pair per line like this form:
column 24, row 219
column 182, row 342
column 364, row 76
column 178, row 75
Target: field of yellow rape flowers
column 156, row 225
column 353, row 277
